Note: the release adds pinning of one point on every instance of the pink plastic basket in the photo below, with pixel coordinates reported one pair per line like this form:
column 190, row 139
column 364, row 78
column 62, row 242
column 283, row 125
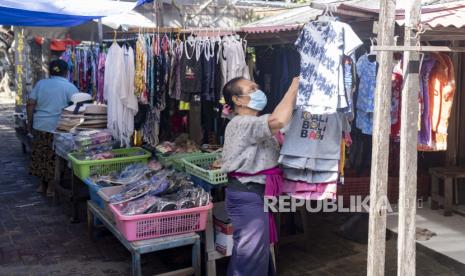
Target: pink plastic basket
column 149, row 226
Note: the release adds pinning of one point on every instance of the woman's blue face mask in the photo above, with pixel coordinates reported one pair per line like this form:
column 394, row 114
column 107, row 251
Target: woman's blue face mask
column 257, row 101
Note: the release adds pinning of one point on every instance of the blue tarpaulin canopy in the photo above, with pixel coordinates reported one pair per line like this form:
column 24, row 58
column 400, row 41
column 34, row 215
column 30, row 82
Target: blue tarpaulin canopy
column 60, row 13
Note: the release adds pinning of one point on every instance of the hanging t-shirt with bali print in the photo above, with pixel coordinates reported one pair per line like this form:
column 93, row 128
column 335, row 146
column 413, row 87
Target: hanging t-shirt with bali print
column 322, row 45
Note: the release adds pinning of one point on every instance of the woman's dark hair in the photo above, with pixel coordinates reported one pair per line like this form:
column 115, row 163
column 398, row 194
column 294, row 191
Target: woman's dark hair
column 231, row 88
column 58, row 67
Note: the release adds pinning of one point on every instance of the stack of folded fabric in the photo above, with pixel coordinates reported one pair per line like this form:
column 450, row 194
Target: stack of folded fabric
column 93, row 144
column 69, row 121
column 63, row 143
column 311, row 152
column 95, row 117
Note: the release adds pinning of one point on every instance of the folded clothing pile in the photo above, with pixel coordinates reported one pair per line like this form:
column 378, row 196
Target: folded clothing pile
column 95, row 117
column 63, row 143
column 68, row 121
column 182, row 144
column 93, row 145
column 311, row 153
column 310, row 191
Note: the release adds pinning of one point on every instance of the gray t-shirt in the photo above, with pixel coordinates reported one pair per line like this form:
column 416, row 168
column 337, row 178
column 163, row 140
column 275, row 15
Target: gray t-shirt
column 314, row 136
column 249, row 147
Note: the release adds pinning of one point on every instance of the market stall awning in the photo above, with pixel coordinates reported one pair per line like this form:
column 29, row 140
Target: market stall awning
column 60, row 13
column 439, row 22
column 295, row 18
column 441, row 15
column 128, row 20
column 287, row 21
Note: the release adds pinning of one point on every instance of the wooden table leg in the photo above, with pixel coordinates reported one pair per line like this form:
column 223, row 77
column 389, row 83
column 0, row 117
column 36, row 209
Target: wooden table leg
column 90, row 224
column 57, row 178
column 448, row 196
column 136, row 268
column 210, row 245
column 434, row 192
column 196, row 258
column 74, row 199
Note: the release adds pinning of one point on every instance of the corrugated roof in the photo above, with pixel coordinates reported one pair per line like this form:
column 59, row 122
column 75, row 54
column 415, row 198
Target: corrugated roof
column 441, row 15
column 445, row 14
column 294, row 18
column 290, row 20
column 450, row 14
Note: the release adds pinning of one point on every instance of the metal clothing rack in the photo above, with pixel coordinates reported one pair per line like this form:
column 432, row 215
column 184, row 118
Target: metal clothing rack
column 120, row 39
column 204, row 30
column 419, row 49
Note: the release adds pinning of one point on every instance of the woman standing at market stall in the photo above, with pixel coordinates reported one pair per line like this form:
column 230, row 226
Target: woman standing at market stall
column 44, row 107
column 250, row 157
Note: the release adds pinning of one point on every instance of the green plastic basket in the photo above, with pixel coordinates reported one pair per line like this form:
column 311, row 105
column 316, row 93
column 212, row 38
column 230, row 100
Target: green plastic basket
column 198, row 166
column 123, row 157
column 175, row 160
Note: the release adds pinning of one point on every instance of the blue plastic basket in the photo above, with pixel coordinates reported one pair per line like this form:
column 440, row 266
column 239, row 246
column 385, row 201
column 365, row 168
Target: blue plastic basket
column 93, row 192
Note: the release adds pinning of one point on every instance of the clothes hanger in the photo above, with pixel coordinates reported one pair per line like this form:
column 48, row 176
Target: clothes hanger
column 372, row 52
column 198, row 45
column 171, row 42
column 424, row 55
column 127, row 41
column 191, row 42
column 218, row 37
column 238, row 37
column 326, row 16
column 244, row 44
column 208, row 46
column 191, row 37
column 213, row 38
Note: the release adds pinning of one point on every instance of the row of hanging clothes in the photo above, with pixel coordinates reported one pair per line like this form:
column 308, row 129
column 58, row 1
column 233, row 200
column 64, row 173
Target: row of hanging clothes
column 366, row 69
column 435, row 99
column 273, row 69
column 364, row 74
column 86, row 68
column 437, row 88
column 176, row 76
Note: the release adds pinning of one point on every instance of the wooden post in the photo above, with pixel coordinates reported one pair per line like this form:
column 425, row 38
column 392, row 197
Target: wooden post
column 406, row 247
column 381, row 131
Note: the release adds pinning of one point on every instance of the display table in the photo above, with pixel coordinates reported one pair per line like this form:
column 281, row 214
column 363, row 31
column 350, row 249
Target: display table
column 211, row 254
column 146, row 246
column 449, row 175
column 71, row 194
